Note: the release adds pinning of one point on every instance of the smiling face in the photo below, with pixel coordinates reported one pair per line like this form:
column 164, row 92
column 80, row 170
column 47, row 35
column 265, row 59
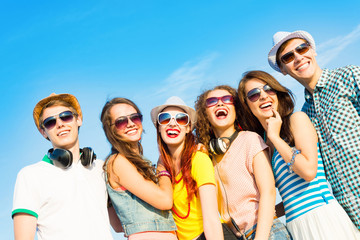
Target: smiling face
column 303, row 68
column 221, row 116
column 173, row 134
column 64, row 134
column 263, row 107
column 131, row 132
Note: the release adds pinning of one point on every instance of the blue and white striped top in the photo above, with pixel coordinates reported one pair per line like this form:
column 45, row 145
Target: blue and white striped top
column 298, row 195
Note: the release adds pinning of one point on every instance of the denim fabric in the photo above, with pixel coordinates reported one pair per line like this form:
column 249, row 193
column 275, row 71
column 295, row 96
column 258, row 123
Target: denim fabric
column 138, row 216
column 278, row 231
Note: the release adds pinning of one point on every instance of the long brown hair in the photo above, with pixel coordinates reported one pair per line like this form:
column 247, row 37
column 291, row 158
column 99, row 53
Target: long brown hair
column 189, row 149
column 120, row 146
column 203, row 126
column 285, row 106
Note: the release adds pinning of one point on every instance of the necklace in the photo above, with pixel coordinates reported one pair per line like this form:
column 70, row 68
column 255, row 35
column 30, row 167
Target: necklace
column 173, row 208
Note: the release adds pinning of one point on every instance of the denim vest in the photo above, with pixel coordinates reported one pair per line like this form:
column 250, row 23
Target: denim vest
column 138, row 216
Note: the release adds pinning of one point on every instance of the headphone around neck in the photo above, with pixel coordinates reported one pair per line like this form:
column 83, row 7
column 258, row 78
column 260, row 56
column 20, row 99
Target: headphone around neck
column 219, row 146
column 65, row 157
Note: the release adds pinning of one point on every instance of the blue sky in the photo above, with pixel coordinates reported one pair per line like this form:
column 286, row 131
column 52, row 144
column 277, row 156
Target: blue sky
column 146, row 51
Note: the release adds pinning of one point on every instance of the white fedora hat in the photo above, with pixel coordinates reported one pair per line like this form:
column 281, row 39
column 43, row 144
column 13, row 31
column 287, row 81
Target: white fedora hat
column 174, row 101
column 280, row 37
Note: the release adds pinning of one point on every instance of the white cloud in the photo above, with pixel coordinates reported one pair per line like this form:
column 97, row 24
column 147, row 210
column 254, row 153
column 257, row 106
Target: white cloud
column 330, row 49
column 189, row 76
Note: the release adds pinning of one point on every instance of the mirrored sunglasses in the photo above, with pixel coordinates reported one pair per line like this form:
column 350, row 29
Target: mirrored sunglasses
column 254, row 94
column 66, row 117
column 182, row 119
column 122, row 122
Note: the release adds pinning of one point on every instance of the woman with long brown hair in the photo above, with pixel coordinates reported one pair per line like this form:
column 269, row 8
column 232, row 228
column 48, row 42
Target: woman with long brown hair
column 191, row 172
column 140, row 198
column 310, row 209
column 244, row 178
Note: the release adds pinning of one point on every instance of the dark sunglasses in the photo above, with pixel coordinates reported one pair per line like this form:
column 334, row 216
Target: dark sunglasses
column 122, row 122
column 290, row 56
column 65, row 117
column 212, row 101
column 254, row 94
column 181, row 119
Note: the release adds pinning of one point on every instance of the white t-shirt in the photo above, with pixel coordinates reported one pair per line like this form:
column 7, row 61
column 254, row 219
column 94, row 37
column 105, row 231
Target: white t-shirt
column 68, row 203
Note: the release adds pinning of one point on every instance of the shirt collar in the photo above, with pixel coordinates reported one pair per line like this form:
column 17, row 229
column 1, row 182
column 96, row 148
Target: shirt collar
column 320, row 84
column 47, row 159
column 322, row 80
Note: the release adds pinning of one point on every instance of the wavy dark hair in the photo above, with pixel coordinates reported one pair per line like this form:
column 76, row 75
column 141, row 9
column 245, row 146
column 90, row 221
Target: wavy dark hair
column 203, row 126
column 285, row 106
column 190, row 147
column 120, row 146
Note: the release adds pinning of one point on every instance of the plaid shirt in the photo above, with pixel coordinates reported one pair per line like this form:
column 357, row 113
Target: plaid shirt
column 334, row 109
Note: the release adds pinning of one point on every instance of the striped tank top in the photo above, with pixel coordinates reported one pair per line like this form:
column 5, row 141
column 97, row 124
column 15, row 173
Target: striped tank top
column 298, row 195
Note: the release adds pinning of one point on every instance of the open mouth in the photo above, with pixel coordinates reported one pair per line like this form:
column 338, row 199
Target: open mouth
column 221, row 113
column 266, row 105
column 172, row 133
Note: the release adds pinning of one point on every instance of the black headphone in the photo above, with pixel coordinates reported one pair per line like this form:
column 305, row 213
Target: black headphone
column 219, row 146
column 65, row 158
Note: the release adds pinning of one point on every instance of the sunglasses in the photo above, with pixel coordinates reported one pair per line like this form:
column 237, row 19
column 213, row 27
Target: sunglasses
column 290, row 56
column 212, row 101
column 65, row 117
column 122, row 122
column 254, row 94
column 182, row 119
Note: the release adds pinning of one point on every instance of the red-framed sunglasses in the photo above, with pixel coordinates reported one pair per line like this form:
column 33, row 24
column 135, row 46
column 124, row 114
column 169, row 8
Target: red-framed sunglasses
column 212, row 101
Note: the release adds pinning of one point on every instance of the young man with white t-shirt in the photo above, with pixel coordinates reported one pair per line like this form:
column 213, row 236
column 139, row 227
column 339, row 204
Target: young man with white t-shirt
column 64, row 195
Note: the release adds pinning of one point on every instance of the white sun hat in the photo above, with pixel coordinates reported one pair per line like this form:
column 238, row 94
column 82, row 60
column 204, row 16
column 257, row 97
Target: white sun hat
column 280, row 37
column 174, row 101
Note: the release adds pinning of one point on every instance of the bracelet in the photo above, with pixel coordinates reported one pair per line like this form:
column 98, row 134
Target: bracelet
column 164, row 173
column 291, row 163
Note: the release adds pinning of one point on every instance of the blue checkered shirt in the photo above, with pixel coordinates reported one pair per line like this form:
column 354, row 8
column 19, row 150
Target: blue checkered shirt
column 334, row 109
